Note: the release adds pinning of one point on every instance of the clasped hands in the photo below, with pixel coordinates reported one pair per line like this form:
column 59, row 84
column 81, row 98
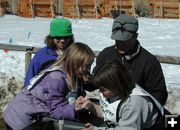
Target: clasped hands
column 81, row 103
column 84, row 103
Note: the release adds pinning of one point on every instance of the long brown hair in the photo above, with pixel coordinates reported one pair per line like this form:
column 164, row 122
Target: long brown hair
column 115, row 77
column 73, row 58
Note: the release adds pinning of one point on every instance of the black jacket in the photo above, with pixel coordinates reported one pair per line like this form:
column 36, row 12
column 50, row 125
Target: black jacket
column 145, row 68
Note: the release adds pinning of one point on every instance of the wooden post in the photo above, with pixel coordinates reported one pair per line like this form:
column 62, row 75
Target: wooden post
column 161, row 9
column 153, row 8
column 15, row 6
column 73, row 9
column 52, row 8
column 27, row 60
column 133, row 9
column 115, row 4
column 179, row 10
column 60, row 6
column 32, row 8
column 95, row 9
column 77, row 9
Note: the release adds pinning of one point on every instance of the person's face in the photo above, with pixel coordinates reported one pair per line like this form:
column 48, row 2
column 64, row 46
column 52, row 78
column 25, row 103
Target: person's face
column 62, row 42
column 107, row 93
column 84, row 71
column 124, row 47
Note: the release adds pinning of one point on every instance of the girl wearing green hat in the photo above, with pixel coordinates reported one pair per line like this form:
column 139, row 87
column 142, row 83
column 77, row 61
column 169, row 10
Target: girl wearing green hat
column 59, row 39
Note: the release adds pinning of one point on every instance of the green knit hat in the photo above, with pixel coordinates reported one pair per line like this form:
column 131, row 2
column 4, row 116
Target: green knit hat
column 60, row 27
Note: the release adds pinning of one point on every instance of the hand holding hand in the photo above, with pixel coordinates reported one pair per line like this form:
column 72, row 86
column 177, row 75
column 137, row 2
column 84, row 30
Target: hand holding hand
column 81, row 102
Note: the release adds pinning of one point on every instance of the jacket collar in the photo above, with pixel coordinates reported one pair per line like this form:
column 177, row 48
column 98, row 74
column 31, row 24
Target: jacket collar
column 130, row 56
column 51, row 51
column 141, row 92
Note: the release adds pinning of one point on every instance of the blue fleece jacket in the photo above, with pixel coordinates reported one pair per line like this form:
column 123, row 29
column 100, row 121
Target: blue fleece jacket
column 43, row 58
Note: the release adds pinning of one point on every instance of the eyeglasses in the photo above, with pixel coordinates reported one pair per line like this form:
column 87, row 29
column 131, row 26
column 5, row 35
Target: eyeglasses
column 60, row 38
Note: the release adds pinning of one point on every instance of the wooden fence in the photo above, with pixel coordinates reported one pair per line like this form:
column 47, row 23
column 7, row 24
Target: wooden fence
column 90, row 8
column 29, row 50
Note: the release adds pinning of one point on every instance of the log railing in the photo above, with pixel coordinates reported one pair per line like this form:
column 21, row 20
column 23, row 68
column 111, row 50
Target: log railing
column 29, row 50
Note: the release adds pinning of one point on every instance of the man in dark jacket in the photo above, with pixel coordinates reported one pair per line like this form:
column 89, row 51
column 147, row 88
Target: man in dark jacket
column 145, row 68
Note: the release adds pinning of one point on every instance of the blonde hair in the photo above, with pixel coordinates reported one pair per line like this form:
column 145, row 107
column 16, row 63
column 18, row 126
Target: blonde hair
column 73, row 58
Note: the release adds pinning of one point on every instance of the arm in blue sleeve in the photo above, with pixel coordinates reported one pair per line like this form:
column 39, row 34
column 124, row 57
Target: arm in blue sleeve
column 32, row 71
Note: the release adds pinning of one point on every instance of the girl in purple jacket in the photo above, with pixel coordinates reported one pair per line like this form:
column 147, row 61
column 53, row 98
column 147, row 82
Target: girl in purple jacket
column 54, row 91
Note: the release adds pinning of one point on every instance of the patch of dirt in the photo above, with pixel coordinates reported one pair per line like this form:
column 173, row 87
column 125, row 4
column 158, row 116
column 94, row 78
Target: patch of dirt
column 9, row 87
column 2, row 127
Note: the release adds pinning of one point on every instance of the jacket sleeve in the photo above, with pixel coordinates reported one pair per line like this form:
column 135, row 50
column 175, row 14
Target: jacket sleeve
column 32, row 71
column 154, row 81
column 55, row 92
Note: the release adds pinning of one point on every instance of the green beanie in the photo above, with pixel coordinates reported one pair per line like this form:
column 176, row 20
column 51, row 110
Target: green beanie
column 60, row 27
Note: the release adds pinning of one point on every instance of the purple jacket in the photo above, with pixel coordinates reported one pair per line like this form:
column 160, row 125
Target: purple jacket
column 48, row 96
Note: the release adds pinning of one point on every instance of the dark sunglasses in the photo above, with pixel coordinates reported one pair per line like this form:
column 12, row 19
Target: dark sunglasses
column 60, row 38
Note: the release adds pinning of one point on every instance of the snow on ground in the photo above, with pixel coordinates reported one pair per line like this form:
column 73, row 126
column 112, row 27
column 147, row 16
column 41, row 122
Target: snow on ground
column 159, row 36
